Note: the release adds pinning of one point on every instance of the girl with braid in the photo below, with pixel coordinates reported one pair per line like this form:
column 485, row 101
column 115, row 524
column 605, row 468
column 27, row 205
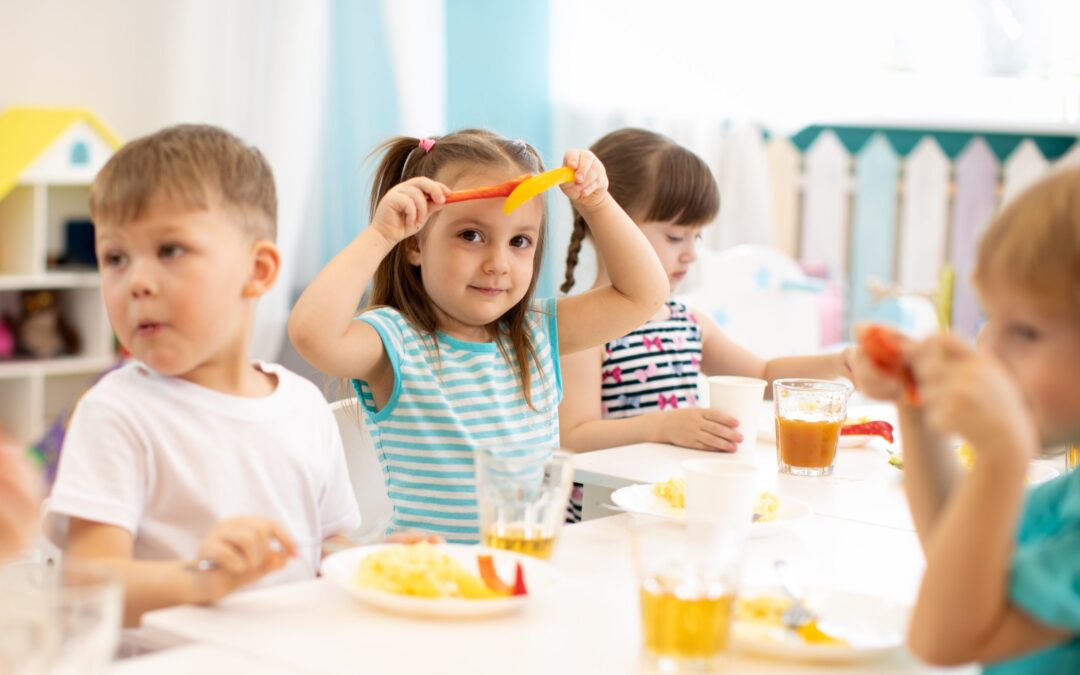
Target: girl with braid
column 642, row 387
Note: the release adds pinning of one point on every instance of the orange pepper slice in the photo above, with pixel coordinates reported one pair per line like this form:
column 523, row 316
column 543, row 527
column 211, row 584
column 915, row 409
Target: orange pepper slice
column 487, row 192
column 537, row 185
column 486, row 565
column 882, row 347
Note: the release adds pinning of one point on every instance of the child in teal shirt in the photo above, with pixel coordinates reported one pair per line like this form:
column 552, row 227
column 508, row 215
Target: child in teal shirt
column 1002, row 581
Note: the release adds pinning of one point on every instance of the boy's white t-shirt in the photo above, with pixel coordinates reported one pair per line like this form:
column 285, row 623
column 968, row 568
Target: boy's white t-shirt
column 167, row 459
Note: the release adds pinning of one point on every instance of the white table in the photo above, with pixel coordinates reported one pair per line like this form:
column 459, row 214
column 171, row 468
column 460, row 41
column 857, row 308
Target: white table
column 203, row 659
column 590, row 625
column 864, row 487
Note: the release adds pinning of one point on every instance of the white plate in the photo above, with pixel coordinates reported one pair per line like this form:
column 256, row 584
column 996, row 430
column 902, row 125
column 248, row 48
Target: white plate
column 767, row 433
column 1038, row 471
column 540, row 577
column 640, row 499
column 873, row 626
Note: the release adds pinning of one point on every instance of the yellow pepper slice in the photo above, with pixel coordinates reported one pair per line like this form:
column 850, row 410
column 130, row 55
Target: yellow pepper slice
column 536, row 185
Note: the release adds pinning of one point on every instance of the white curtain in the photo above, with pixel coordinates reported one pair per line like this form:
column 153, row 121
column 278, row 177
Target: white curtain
column 255, row 67
column 258, row 68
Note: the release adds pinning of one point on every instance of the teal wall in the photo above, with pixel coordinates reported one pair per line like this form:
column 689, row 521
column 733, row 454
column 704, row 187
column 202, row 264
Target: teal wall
column 497, row 78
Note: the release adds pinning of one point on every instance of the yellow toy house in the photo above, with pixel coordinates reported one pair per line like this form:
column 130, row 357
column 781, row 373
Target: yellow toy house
column 48, row 158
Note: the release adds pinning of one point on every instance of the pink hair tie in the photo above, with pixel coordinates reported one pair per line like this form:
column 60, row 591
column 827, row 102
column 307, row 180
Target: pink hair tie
column 427, row 144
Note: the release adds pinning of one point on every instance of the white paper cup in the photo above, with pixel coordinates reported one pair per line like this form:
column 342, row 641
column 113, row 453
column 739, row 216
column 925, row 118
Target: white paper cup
column 721, row 491
column 741, row 398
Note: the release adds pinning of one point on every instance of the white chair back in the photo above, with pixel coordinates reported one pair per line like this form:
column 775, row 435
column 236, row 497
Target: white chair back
column 365, row 473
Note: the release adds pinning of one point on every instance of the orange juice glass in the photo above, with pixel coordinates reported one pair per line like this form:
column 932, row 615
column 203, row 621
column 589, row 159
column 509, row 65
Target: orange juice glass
column 1072, row 456
column 687, row 581
column 809, row 414
column 522, row 495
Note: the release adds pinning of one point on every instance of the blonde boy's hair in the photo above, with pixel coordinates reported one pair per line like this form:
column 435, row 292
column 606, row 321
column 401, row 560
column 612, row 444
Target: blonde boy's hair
column 188, row 166
column 1035, row 242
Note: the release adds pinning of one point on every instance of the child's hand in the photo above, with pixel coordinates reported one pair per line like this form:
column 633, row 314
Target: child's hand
column 872, row 380
column 414, row 537
column 20, row 497
column 246, row 548
column 700, row 428
column 405, row 209
column 590, row 184
column 968, row 393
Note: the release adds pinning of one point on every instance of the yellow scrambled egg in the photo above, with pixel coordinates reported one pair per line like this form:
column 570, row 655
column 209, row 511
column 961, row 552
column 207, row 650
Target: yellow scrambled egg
column 673, row 491
column 768, row 610
column 420, row 570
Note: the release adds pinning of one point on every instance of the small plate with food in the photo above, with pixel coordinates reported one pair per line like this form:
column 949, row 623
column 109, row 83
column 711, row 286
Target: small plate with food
column 856, row 431
column 772, row 513
column 1037, row 471
column 846, row 627
column 440, row 580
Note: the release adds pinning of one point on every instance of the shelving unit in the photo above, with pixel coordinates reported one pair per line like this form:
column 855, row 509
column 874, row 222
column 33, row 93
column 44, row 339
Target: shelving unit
column 48, row 158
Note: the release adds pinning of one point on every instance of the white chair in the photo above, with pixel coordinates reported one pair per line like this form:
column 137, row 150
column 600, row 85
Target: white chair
column 760, row 297
column 365, row 473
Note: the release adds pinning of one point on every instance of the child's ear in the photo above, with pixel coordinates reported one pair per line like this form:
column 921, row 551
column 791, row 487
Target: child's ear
column 266, row 261
column 412, row 250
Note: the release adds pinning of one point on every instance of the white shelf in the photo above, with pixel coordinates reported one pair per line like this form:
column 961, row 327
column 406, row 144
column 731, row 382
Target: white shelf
column 64, row 365
column 58, row 279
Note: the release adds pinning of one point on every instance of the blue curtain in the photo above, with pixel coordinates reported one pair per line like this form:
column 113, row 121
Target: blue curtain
column 361, row 112
column 497, row 78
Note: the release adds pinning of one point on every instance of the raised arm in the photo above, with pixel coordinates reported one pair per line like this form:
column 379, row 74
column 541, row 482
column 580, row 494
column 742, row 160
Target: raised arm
column 322, row 325
column 639, row 284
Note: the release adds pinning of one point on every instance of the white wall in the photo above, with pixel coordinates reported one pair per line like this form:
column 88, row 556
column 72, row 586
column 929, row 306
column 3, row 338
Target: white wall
column 112, row 56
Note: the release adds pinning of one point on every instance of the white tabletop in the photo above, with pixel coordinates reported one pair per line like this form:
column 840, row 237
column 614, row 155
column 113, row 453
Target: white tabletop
column 590, row 625
column 203, row 659
column 864, row 487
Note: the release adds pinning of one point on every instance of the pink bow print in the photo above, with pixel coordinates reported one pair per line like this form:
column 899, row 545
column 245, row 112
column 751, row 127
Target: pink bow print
column 673, row 401
column 680, row 341
column 646, row 373
column 615, row 374
column 652, row 342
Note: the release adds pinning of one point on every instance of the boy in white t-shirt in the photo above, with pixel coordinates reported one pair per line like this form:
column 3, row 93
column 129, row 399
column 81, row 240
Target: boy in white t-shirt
column 192, row 452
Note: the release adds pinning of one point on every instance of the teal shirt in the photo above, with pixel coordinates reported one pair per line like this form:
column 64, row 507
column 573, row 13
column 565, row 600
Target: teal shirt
column 449, row 398
column 1045, row 577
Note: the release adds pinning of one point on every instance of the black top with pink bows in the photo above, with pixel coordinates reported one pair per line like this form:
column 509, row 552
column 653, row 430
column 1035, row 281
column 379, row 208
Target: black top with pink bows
column 656, row 367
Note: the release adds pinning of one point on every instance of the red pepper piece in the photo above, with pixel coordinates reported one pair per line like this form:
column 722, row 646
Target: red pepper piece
column 488, row 192
column 881, row 346
column 519, row 581
column 883, row 429
column 491, row 578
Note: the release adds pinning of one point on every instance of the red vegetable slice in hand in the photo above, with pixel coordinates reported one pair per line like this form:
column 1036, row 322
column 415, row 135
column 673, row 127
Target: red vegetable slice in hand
column 519, row 581
column 491, row 578
column 488, row 192
column 883, row 429
column 882, row 347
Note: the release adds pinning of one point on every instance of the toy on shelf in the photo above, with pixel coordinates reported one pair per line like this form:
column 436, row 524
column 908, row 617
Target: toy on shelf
column 42, row 332
column 7, row 340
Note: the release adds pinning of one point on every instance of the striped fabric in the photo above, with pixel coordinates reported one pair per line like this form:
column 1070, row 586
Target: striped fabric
column 655, row 367
column 448, row 399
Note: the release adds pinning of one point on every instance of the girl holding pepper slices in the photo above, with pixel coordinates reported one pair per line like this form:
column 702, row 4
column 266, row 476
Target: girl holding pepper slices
column 1002, row 581
column 453, row 352
column 642, row 386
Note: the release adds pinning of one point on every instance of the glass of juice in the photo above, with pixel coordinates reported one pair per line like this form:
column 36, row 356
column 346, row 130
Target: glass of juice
column 687, row 579
column 59, row 619
column 809, row 414
column 1072, row 456
column 522, row 495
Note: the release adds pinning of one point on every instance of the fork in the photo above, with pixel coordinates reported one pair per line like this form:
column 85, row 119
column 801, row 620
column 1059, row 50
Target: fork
column 798, row 614
column 325, row 548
